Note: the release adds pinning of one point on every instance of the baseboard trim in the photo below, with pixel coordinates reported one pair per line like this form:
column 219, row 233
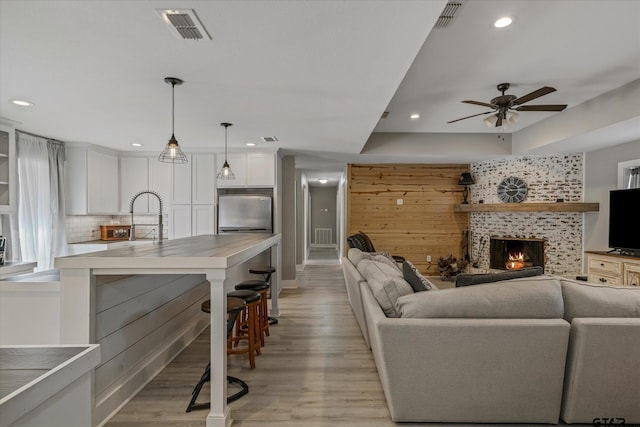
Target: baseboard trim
column 288, row 284
column 324, row 245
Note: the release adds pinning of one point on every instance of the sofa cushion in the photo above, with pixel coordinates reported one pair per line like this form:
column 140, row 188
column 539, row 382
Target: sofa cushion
column 387, row 290
column 528, row 298
column 466, row 279
column 592, row 300
column 417, row 281
column 355, row 255
column 381, row 270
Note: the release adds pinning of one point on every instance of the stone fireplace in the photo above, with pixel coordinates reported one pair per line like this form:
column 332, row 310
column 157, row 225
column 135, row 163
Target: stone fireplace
column 548, row 177
column 510, row 253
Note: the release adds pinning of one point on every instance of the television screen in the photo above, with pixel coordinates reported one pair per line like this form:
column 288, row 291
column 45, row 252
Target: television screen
column 624, row 219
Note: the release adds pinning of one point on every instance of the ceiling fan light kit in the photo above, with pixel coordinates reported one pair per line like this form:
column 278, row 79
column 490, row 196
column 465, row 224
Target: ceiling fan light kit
column 172, row 153
column 504, row 107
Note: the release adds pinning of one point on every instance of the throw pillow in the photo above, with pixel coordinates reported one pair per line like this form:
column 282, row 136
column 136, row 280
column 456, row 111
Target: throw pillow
column 387, row 290
column 417, row 281
column 355, row 255
column 591, row 300
column 526, row 298
column 466, row 279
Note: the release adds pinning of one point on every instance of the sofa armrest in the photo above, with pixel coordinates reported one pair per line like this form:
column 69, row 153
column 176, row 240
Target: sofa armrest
column 603, row 370
column 353, row 279
column 469, row 370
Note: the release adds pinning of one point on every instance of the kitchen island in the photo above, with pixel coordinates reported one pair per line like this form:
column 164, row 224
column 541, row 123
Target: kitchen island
column 142, row 305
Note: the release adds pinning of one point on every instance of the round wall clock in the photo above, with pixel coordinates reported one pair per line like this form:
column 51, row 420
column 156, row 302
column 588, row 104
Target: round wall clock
column 512, row 190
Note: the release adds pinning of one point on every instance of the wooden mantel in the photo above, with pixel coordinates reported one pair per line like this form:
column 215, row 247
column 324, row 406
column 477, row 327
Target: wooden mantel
column 528, row 207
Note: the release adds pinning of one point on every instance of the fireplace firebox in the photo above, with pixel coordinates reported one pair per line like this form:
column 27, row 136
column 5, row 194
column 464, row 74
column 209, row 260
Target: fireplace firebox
column 510, row 253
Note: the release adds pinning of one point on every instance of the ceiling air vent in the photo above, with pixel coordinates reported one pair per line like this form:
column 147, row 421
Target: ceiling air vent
column 448, row 14
column 269, row 138
column 184, row 23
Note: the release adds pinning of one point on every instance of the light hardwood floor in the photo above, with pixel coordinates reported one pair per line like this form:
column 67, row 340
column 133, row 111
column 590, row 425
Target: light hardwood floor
column 314, row 371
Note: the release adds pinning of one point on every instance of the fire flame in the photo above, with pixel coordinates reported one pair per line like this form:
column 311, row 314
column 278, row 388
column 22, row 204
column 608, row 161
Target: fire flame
column 516, row 260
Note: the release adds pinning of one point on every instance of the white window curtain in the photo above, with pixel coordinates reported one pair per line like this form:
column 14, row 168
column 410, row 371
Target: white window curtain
column 41, row 216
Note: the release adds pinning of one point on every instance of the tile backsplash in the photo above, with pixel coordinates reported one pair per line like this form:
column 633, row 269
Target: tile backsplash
column 85, row 228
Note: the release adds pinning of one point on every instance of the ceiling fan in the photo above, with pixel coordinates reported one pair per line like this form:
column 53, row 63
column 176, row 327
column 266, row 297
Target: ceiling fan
column 503, row 104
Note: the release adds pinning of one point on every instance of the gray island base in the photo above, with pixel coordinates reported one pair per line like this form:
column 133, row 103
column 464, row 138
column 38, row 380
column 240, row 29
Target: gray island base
column 142, row 305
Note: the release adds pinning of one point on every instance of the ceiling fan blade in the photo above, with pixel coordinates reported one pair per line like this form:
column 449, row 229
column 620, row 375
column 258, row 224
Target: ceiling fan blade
column 499, row 121
column 554, row 107
column 468, row 117
column 533, row 95
column 484, row 104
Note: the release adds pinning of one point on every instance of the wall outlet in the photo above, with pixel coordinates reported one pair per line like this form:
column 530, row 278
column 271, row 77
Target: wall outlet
column 428, row 258
column 399, row 202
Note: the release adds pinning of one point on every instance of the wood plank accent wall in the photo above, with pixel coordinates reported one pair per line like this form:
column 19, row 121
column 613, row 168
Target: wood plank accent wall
column 425, row 224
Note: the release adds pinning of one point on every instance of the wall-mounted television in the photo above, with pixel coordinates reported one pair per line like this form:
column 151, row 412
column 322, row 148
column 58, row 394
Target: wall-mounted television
column 624, row 220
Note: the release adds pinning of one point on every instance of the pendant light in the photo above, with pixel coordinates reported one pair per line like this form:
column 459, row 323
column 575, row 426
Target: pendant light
column 172, row 153
column 225, row 172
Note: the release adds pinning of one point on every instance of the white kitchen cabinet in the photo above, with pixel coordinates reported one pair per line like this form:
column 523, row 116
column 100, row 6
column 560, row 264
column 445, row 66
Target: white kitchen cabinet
column 134, row 177
column 7, row 169
column 203, row 219
column 180, row 221
column 144, row 173
column 91, row 179
column 181, row 183
column 261, row 169
column 203, row 177
column 252, row 169
column 160, row 182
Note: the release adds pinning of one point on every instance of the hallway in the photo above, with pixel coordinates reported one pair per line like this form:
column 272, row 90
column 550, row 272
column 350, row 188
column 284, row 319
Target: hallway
column 322, row 256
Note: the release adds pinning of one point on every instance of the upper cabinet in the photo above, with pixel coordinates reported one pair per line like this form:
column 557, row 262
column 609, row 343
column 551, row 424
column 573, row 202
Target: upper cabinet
column 140, row 174
column 181, row 183
column 91, row 180
column 253, row 169
column 7, row 169
column 203, row 173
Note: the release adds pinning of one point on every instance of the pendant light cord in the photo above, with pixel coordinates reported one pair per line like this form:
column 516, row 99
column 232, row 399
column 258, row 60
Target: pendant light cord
column 173, row 107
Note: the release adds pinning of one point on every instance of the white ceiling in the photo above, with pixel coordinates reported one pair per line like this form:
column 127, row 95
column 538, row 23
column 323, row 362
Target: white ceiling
column 319, row 74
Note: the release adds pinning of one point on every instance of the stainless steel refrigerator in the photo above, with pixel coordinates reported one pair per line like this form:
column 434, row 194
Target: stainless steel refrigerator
column 244, row 213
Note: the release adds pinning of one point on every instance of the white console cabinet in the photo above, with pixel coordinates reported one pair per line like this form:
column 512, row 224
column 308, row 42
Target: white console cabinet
column 91, row 179
column 613, row 269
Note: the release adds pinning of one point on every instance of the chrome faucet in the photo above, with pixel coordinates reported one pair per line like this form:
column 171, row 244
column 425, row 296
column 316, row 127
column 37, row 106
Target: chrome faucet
column 132, row 235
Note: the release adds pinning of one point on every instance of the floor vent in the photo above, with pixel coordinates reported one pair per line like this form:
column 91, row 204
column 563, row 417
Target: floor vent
column 448, row 14
column 184, row 23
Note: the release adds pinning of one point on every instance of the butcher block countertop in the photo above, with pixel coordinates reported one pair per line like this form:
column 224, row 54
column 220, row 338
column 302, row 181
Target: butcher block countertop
column 198, row 252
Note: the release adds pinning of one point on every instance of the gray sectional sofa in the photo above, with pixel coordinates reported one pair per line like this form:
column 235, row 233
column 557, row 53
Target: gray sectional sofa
column 529, row 350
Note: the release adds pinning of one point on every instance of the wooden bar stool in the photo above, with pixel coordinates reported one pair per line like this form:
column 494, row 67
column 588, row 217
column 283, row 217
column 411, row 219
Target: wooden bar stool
column 263, row 312
column 234, row 307
column 266, row 271
column 247, row 327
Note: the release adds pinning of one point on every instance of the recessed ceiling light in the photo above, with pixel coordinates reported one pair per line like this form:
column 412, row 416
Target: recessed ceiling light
column 323, row 180
column 22, row 103
column 137, row 144
column 503, row 21
column 414, row 116
column 251, row 144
